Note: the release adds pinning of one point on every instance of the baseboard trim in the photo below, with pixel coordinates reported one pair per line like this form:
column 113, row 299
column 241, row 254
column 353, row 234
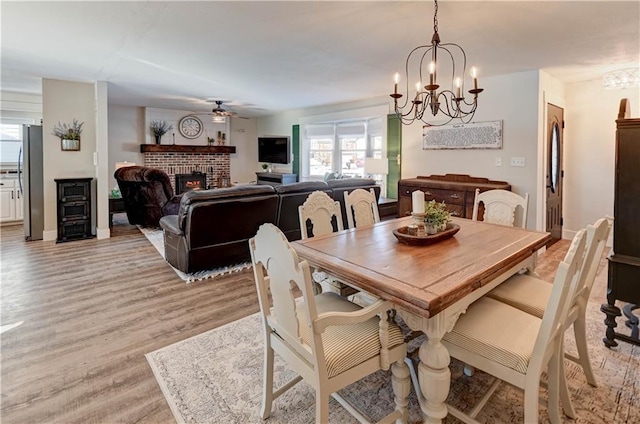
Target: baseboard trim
column 49, row 235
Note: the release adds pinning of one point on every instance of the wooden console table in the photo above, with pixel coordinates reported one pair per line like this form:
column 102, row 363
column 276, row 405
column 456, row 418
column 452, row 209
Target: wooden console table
column 457, row 191
column 276, row 178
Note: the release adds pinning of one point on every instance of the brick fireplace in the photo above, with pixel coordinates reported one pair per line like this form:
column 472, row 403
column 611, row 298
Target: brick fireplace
column 177, row 159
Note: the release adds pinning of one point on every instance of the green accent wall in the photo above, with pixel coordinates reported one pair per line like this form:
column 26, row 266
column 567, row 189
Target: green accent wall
column 295, row 149
column 394, row 148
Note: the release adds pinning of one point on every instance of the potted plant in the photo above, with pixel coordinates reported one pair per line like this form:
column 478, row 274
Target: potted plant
column 436, row 217
column 159, row 128
column 69, row 134
column 265, row 166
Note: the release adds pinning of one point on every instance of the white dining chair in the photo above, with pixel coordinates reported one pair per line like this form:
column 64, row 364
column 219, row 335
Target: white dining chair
column 530, row 294
column 329, row 341
column 515, row 346
column 321, row 211
column 361, row 207
column 500, row 207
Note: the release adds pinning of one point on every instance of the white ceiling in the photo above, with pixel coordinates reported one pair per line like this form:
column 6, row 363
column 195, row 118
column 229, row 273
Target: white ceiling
column 268, row 56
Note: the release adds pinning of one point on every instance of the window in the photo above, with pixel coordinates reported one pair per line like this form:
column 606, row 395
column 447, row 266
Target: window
column 10, row 143
column 341, row 147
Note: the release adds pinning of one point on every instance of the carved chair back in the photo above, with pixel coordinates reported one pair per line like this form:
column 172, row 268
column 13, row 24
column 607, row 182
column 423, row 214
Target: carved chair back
column 361, row 207
column 322, row 211
column 500, row 207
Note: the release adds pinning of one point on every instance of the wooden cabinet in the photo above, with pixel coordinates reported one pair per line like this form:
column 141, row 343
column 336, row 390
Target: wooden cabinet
column 624, row 262
column 10, row 200
column 276, row 178
column 74, row 208
column 457, row 191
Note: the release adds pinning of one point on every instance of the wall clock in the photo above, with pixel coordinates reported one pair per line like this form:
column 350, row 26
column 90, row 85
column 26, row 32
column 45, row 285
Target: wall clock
column 190, row 127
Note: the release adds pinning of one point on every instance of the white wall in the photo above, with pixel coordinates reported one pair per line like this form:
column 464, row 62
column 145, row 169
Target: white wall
column 62, row 102
column 173, row 117
column 126, row 133
column 244, row 136
column 21, row 105
column 590, row 150
column 129, row 128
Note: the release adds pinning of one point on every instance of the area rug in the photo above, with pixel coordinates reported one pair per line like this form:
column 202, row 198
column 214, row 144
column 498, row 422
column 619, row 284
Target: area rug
column 216, row 377
column 156, row 239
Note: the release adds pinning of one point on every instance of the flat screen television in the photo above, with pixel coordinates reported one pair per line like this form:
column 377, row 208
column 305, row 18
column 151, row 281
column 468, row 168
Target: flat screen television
column 274, row 149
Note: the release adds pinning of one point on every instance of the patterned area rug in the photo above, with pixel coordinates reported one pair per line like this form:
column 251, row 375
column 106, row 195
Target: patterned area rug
column 216, row 377
column 156, row 239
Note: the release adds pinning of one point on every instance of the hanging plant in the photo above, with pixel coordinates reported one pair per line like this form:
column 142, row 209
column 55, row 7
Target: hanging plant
column 68, row 132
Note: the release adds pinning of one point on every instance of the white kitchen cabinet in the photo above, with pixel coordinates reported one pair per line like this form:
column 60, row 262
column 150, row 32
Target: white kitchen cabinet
column 10, row 201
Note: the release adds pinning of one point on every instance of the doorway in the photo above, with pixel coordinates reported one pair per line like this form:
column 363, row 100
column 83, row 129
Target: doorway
column 554, row 171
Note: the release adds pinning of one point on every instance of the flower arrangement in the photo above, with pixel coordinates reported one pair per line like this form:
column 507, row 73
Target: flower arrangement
column 160, row 128
column 436, row 217
column 68, row 132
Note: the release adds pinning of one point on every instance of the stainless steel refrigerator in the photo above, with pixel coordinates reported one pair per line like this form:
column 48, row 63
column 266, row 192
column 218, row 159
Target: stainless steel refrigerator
column 31, row 181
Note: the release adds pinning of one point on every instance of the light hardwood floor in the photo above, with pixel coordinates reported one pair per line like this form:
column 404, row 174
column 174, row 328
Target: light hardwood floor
column 92, row 309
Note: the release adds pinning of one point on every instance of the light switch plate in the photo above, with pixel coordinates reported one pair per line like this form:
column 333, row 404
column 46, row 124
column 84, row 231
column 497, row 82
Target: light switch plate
column 498, row 161
column 517, row 161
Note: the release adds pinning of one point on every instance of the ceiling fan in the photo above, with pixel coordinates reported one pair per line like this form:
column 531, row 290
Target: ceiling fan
column 220, row 111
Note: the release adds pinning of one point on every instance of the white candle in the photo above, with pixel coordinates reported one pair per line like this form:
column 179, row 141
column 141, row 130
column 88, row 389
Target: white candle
column 474, row 75
column 417, row 201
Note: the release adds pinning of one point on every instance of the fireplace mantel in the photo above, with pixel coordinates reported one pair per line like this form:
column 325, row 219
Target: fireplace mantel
column 179, row 148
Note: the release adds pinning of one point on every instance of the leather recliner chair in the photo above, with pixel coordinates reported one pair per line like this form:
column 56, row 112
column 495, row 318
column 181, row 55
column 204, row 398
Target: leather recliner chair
column 147, row 194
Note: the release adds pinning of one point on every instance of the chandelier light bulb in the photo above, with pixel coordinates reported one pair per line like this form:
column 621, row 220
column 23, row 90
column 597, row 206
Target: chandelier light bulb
column 474, row 72
column 396, row 78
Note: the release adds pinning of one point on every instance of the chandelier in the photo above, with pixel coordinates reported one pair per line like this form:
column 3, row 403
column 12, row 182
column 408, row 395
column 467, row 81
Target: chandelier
column 451, row 103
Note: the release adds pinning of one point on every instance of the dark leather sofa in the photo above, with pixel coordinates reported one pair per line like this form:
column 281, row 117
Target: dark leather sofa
column 212, row 227
column 147, row 194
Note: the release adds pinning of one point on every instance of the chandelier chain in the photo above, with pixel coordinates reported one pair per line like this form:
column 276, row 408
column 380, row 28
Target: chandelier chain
column 435, row 18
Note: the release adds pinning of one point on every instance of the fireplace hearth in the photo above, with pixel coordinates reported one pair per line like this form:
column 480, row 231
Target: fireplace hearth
column 188, row 182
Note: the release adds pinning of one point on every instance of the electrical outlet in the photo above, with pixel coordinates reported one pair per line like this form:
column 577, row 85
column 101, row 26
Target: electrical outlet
column 498, row 161
column 518, row 161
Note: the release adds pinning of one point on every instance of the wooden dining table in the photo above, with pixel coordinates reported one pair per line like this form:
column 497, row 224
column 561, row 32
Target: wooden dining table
column 429, row 285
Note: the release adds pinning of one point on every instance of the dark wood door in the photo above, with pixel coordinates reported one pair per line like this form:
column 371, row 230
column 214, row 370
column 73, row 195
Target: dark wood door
column 555, row 172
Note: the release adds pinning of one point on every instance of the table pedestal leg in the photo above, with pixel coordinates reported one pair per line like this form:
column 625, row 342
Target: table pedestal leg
column 433, row 372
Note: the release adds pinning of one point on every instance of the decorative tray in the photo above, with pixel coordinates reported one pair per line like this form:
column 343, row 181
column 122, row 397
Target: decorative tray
column 402, row 234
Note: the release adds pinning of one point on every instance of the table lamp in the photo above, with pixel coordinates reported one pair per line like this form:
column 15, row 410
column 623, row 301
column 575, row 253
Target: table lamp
column 377, row 168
